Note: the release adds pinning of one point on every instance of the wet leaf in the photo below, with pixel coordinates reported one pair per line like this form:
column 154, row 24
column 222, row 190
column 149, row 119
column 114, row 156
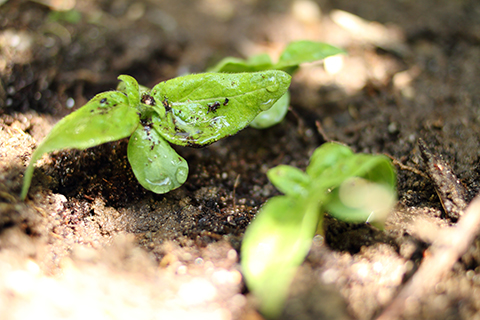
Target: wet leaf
column 274, row 115
column 194, row 110
column 197, row 110
column 107, row 117
column 294, row 54
column 156, row 165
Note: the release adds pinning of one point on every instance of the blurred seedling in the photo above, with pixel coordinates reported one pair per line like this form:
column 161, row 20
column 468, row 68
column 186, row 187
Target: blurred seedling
column 351, row 187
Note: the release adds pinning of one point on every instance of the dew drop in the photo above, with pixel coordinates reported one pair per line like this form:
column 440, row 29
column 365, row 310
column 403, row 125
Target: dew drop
column 266, row 105
column 160, row 182
column 181, row 174
column 273, row 87
column 70, row 103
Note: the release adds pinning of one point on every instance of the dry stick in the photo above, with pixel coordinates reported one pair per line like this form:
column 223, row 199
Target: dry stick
column 320, row 130
column 235, row 185
column 448, row 247
column 402, row 166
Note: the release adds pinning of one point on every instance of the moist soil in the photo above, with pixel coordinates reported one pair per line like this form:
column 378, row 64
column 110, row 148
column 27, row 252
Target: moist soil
column 89, row 241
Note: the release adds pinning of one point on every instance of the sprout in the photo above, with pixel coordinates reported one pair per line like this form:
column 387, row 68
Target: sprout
column 194, row 110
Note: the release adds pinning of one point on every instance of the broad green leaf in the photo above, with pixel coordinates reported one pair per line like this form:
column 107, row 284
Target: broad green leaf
column 273, row 115
column 259, row 62
column 275, row 243
column 289, row 180
column 107, row 117
column 197, row 110
column 155, row 164
column 294, row 54
column 303, row 51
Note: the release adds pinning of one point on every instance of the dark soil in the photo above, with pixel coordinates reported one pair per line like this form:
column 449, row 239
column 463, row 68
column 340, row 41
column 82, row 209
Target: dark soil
column 89, row 241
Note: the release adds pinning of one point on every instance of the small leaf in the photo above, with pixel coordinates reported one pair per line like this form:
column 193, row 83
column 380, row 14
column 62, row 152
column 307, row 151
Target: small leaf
column 289, row 180
column 273, row 115
column 358, row 200
column 155, row 164
column 197, row 110
column 131, row 89
column 275, row 243
column 367, row 191
column 360, row 187
column 375, row 168
column 107, row 117
column 259, row 62
column 123, row 88
column 327, row 156
column 303, row 51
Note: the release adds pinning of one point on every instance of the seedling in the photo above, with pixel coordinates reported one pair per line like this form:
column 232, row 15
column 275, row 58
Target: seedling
column 194, row 110
column 295, row 53
column 351, row 187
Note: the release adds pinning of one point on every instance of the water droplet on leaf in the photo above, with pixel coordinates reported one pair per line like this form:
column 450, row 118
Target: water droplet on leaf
column 161, row 181
column 274, row 86
column 181, row 174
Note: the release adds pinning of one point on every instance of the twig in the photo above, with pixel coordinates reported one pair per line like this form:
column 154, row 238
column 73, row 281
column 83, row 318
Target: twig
column 404, row 167
column 447, row 248
column 235, row 185
column 451, row 192
column 320, row 130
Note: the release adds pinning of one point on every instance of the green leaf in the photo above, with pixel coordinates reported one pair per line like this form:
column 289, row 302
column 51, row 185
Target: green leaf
column 361, row 187
column 197, row 110
column 70, row 16
column 359, row 200
column 366, row 192
column 155, row 164
column 375, row 168
column 294, row 54
column 289, row 180
column 275, row 243
column 129, row 86
column 327, row 156
column 273, row 115
column 303, row 51
column 107, row 117
column 259, row 62
column 351, row 187
column 131, row 89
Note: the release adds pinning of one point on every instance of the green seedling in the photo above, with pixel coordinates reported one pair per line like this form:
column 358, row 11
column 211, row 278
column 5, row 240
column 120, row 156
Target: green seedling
column 194, row 110
column 295, row 53
column 351, row 187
